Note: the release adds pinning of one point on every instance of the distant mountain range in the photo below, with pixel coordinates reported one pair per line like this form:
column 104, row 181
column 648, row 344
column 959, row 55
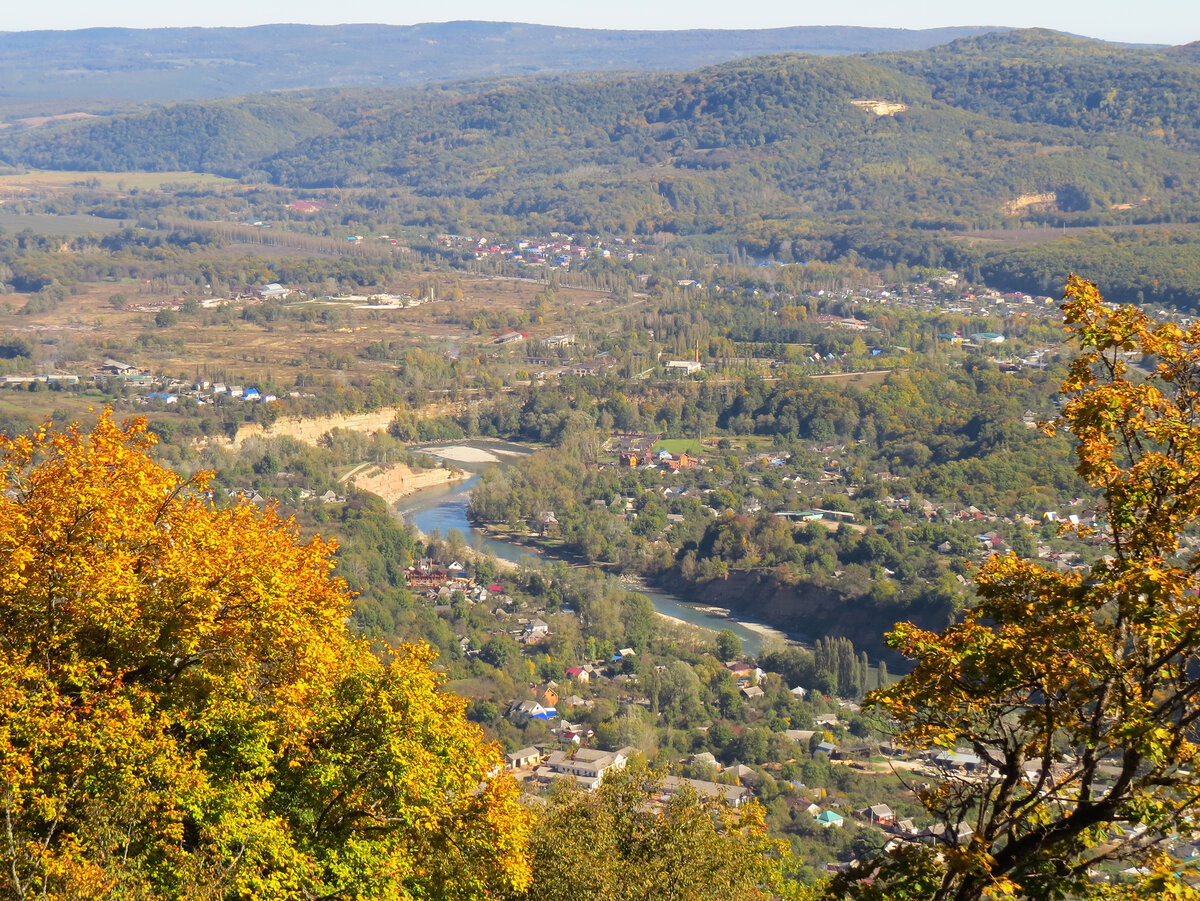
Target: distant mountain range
column 42, row 70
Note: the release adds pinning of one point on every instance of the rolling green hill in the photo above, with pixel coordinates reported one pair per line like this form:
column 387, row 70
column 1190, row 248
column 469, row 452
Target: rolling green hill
column 1041, row 77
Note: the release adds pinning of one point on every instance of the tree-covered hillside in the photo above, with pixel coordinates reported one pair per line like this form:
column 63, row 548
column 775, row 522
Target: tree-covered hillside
column 969, row 140
column 1042, row 77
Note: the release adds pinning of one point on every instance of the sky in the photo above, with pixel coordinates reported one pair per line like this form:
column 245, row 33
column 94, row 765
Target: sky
column 1147, row 21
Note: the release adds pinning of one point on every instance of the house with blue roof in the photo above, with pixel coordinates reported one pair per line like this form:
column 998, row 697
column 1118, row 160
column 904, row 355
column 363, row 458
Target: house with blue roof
column 828, row 818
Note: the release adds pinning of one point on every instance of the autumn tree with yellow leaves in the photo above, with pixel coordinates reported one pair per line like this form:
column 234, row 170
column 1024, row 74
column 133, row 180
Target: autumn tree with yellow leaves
column 1079, row 693
column 183, row 713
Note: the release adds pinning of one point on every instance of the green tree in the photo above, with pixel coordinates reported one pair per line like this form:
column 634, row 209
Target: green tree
column 614, row 843
column 729, row 646
column 499, row 650
column 1082, row 693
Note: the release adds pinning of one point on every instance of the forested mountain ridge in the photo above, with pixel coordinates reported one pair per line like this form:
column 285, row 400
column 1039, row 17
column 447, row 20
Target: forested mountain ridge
column 215, row 137
column 1039, row 76
column 124, row 64
column 971, row 139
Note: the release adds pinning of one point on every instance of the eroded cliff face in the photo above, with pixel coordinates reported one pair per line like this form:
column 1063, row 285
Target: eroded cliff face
column 396, row 480
column 391, row 481
column 310, row 430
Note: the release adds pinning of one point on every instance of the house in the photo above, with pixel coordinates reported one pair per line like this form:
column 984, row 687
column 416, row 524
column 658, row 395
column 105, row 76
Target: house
column 573, row 733
column 632, row 447
column 579, row 674
column 743, row 772
column 535, row 631
column 246, row 495
column 116, row 367
column 273, row 291
column 676, row 463
column 800, row 736
column 687, row 367
column 586, row 765
column 524, row 758
column 530, row 710
column 958, row 760
column 549, row 694
column 425, row 575
column 799, row 693
column 744, row 672
column 828, row 818
column 938, row 834
column 750, row 692
column 880, row 815
column 862, row 751
column 706, row 757
column 733, row 795
column 905, row 827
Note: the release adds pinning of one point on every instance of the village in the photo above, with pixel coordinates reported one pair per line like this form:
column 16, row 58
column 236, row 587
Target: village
column 815, row 761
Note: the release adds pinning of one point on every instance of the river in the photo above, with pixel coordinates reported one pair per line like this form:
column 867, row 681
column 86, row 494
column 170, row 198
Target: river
column 445, row 507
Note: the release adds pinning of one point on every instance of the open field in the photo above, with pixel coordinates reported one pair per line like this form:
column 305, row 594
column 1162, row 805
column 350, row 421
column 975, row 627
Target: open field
column 40, row 179
column 858, row 379
column 62, row 407
column 320, row 341
column 997, row 238
column 68, row 225
column 681, row 445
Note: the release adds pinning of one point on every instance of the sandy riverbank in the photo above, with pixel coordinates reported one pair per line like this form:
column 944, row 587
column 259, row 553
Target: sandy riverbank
column 461, row 453
column 675, row 620
column 764, row 630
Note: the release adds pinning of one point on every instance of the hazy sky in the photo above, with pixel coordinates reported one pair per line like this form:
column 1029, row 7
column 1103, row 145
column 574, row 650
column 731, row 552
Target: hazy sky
column 1147, row 21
